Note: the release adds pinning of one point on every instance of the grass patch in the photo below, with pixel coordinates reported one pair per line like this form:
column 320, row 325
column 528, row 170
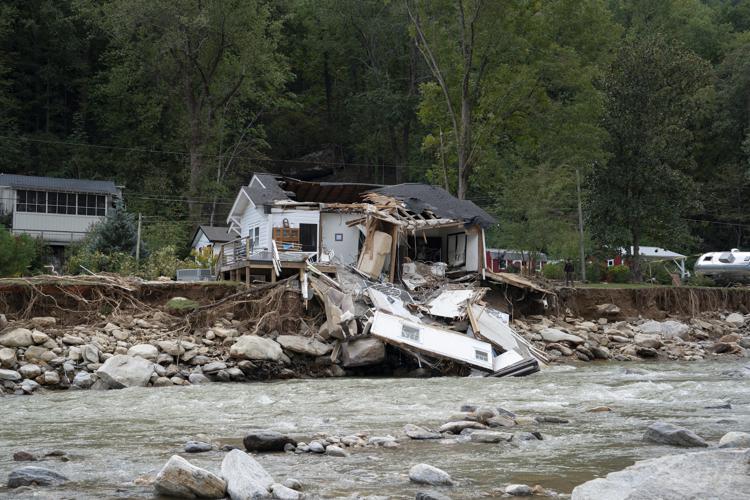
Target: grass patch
column 182, row 304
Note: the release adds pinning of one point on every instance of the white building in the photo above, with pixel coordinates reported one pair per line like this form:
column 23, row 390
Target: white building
column 59, row 211
column 212, row 236
column 288, row 220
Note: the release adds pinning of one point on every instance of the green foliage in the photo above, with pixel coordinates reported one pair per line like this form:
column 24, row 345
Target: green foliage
column 619, row 274
column 181, row 304
column 204, row 258
column 700, row 280
column 117, row 233
column 17, row 253
column 553, row 271
column 162, row 262
column 595, row 272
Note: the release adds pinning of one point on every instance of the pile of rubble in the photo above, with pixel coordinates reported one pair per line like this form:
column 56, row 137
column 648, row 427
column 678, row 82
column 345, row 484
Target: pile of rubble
column 576, row 338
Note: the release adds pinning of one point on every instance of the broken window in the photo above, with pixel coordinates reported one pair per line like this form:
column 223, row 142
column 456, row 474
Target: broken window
column 456, row 249
column 410, row 332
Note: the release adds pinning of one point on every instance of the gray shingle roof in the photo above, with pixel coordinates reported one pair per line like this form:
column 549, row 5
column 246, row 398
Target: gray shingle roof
column 216, row 233
column 266, row 196
column 57, row 184
column 420, row 197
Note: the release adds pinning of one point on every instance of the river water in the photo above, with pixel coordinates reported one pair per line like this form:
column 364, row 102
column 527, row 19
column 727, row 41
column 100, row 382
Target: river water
column 113, row 438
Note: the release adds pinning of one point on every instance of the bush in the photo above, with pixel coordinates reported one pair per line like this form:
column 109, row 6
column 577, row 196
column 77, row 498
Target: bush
column 553, row 271
column 17, row 253
column 700, row 280
column 594, row 272
column 657, row 273
column 619, row 274
column 163, row 262
column 118, row 233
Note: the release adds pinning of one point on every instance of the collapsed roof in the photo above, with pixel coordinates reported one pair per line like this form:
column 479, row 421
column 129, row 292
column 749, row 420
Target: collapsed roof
column 423, row 197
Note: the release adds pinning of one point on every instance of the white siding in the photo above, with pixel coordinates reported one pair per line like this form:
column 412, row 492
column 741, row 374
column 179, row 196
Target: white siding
column 345, row 251
column 254, row 217
column 7, row 200
column 472, row 250
column 202, row 242
column 54, row 228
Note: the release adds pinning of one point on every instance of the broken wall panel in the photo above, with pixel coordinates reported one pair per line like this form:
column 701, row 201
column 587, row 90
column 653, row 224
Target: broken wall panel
column 432, row 341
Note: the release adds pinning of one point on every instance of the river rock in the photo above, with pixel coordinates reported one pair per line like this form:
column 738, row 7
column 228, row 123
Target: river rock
column 501, row 421
column 293, row 484
column 50, row 378
column 648, row 340
column 735, row 440
column 90, row 353
column 246, row 479
column 281, row 492
column 181, row 479
column 18, row 337
column 253, row 347
column 336, row 451
column 431, row 495
column 83, row 380
column 10, row 375
column 417, row 432
column 31, row 475
column 30, row 371
column 667, row 329
column 72, row 340
column 481, row 436
column 171, row 347
column 519, row 490
column 664, row 433
column 266, row 441
column 427, row 474
column 303, row 345
column 7, row 358
column 735, row 319
column 457, row 426
column 198, row 378
column 555, row 335
column 122, row 371
column 23, row 456
column 608, row 309
column 214, row 367
column 197, row 447
column 316, row 447
column 43, row 321
column 706, row 474
column 39, row 337
column 362, row 352
column 145, row 351
column 29, row 386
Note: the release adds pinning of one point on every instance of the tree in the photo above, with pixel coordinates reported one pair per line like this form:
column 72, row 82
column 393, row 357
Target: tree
column 117, row 233
column 653, row 94
column 216, row 64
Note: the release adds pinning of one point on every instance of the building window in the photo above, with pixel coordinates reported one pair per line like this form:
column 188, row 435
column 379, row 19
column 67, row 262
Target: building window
column 610, row 262
column 256, row 237
column 410, row 333
column 31, row 201
column 481, row 355
column 91, row 204
column 62, row 203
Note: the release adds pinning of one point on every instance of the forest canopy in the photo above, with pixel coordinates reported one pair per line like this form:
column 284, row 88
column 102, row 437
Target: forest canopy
column 503, row 102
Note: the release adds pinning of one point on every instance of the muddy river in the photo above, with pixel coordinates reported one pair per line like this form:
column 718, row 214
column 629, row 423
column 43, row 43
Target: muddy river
column 115, row 437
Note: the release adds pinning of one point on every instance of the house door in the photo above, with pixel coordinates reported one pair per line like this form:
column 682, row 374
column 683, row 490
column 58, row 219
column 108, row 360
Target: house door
column 308, row 237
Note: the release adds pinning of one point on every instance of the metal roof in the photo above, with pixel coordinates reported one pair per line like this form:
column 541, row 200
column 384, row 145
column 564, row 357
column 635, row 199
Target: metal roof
column 656, row 252
column 57, row 184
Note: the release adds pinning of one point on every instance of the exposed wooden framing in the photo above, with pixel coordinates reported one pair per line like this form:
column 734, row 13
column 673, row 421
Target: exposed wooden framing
column 394, row 252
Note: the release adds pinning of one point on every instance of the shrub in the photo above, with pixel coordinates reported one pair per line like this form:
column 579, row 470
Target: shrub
column 553, row 271
column 700, row 280
column 17, row 253
column 594, row 272
column 619, row 274
column 164, row 262
column 118, row 233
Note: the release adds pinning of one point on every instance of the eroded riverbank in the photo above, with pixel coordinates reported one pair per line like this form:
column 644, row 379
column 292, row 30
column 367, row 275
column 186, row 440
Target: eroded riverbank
column 116, row 440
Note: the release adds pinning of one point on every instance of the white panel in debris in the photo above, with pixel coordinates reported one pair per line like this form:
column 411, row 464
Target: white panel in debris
column 450, row 303
column 505, row 360
column 431, row 340
column 493, row 326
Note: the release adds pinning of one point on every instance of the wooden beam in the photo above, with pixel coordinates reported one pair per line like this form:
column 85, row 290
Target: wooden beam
column 394, row 253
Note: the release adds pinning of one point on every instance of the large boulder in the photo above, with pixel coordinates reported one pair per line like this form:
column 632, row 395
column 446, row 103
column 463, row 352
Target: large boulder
column 246, row 478
column 362, row 352
column 266, row 441
column 417, row 432
column 253, row 347
column 555, row 335
column 735, row 319
column 145, row 351
column 122, row 371
column 705, row 474
column 664, row 433
column 30, row 371
column 303, row 345
column 18, row 337
column 30, row 475
column 427, row 474
column 181, row 479
column 7, row 358
column 735, row 440
column 648, row 340
column 667, row 329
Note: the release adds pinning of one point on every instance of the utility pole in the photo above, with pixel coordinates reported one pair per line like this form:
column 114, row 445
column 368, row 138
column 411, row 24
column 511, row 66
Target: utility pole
column 581, row 249
column 138, row 240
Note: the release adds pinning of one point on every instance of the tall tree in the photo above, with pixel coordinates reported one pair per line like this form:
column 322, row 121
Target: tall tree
column 653, row 93
column 217, row 62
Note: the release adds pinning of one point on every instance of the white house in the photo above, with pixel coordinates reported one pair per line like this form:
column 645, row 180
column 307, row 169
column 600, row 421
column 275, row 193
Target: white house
column 212, row 236
column 59, row 211
column 290, row 220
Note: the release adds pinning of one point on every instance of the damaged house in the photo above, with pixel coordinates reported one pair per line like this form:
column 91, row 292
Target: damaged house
column 398, row 265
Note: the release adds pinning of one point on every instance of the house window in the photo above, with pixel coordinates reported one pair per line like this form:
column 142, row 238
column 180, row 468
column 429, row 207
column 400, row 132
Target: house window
column 31, row 201
column 610, row 262
column 481, row 355
column 62, row 203
column 91, row 204
column 256, row 237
